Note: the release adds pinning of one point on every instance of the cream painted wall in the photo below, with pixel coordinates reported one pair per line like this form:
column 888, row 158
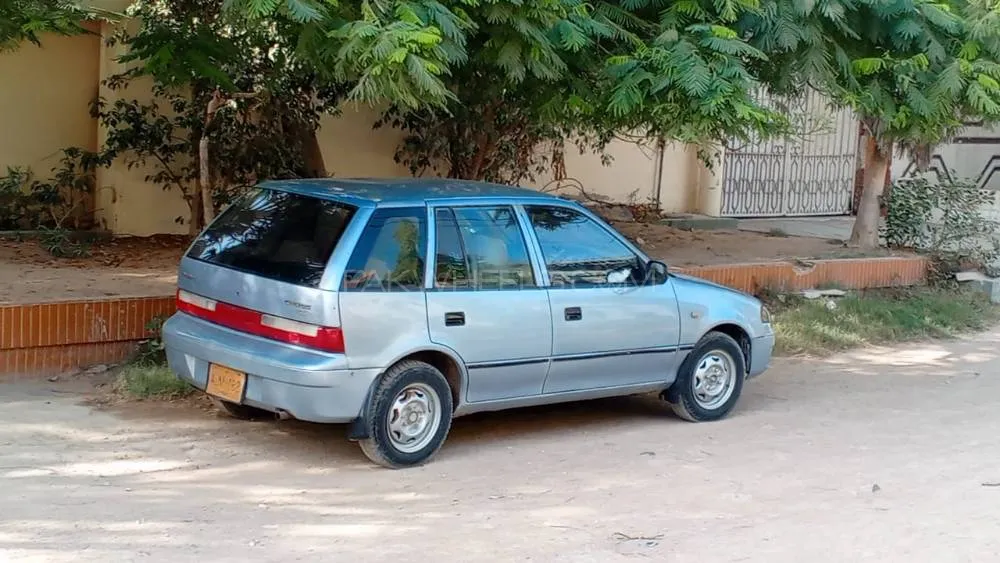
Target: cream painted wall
column 632, row 174
column 351, row 148
column 682, row 178
column 706, row 189
column 45, row 93
column 126, row 203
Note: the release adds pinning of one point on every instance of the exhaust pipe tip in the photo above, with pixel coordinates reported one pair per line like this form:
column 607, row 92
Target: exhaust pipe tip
column 283, row 415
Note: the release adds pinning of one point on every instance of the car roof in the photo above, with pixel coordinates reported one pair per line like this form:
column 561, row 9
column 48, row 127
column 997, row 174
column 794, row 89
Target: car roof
column 404, row 191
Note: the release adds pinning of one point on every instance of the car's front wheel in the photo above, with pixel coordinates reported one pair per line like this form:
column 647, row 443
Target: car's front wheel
column 408, row 415
column 710, row 380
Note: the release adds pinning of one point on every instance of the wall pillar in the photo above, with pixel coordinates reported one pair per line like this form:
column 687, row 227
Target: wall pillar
column 709, row 200
column 105, row 197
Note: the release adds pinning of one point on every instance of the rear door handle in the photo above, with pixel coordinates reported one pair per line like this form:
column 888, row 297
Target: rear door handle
column 573, row 313
column 454, row 319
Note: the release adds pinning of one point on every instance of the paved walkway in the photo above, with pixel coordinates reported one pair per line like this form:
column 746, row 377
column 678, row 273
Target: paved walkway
column 879, row 456
column 838, row 228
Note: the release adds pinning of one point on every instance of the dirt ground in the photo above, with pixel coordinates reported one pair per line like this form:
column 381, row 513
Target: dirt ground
column 882, row 455
column 127, row 267
column 142, row 267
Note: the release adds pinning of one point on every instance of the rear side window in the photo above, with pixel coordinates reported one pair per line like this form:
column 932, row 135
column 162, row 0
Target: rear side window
column 276, row 235
column 390, row 255
column 451, row 267
column 481, row 248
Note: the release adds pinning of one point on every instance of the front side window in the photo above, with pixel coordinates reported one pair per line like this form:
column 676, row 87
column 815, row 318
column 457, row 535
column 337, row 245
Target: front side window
column 390, row 254
column 578, row 251
column 481, row 248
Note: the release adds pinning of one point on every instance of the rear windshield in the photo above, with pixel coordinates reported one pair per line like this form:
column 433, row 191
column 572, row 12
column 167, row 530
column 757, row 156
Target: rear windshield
column 277, row 235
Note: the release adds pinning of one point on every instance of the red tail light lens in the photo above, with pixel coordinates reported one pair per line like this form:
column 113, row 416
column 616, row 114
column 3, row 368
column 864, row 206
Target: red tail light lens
column 329, row 339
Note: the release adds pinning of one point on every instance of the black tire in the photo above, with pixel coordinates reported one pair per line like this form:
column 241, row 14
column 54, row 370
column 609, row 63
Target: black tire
column 243, row 412
column 422, row 379
column 681, row 395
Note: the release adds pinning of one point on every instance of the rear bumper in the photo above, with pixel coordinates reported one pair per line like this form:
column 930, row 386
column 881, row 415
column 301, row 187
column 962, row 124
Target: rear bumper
column 761, row 349
column 308, row 385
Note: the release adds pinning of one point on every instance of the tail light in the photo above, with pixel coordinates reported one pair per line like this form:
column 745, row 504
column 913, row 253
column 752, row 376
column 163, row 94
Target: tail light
column 329, row 339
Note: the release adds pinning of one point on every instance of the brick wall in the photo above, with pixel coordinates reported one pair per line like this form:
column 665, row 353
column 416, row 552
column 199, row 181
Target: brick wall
column 857, row 273
column 54, row 337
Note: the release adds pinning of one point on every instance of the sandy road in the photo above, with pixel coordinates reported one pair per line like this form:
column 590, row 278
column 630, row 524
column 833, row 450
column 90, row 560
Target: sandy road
column 881, row 455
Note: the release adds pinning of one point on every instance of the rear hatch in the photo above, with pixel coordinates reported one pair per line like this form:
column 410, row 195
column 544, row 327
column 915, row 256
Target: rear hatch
column 259, row 268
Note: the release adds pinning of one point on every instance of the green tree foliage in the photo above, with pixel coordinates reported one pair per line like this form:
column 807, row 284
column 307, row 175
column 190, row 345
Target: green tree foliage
column 480, row 85
column 683, row 72
column 238, row 93
column 484, row 89
column 492, row 131
column 913, row 70
column 28, row 20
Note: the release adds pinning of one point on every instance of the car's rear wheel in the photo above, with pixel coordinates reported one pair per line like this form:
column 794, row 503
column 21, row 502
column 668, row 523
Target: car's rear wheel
column 243, row 412
column 408, row 415
column 710, row 380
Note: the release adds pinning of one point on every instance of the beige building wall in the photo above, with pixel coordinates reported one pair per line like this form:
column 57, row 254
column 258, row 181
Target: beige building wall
column 127, row 204
column 634, row 175
column 681, row 178
column 351, row 148
column 706, row 187
column 132, row 206
column 45, row 93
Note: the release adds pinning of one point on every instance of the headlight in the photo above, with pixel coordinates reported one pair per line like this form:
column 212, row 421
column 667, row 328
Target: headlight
column 765, row 315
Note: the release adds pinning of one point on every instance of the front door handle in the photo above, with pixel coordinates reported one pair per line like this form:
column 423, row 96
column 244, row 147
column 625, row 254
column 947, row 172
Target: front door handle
column 573, row 313
column 454, row 319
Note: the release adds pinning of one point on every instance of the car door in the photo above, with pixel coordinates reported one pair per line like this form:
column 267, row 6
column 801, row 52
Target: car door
column 382, row 306
column 610, row 327
column 486, row 302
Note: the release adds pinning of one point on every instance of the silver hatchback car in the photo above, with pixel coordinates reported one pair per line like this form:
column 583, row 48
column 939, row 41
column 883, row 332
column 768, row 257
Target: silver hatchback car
column 397, row 305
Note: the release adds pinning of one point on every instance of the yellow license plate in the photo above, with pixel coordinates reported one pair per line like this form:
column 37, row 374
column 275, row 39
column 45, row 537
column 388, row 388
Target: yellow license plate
column 226, row 383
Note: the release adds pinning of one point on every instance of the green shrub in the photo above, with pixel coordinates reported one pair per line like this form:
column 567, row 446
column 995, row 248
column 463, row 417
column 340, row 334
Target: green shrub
column 150, row 382
column 151, row 351
column 878, row 317
column 946, row 220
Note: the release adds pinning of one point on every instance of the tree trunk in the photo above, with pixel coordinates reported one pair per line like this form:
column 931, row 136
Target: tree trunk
column 204, row 170
column 475, row 169
column 865, row 232
column 194, row 211
column 484, row 143
column 312, row 155
column 922, row 157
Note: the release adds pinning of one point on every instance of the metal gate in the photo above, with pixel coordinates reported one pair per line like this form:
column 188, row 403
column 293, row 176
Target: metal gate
column 809, row 173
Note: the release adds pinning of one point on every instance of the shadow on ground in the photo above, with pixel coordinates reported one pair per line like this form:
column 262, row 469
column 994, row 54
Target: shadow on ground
column 599, row 481
column 491, row 429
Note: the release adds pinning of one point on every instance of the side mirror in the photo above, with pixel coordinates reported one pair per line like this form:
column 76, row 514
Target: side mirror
column 656, row 272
